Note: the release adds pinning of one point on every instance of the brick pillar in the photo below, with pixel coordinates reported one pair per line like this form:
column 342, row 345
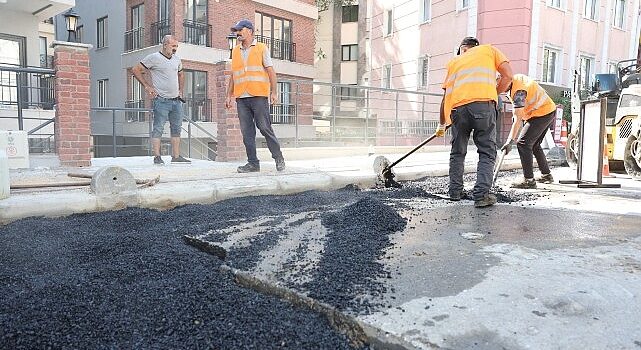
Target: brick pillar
column 72, row 126
column 230, row 139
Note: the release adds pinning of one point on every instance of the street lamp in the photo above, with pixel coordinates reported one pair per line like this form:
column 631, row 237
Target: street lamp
column 231, row 41
column 71, row 20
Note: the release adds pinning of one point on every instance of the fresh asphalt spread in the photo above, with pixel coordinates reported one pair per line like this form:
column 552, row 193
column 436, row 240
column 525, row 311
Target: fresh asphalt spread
column 126, row 279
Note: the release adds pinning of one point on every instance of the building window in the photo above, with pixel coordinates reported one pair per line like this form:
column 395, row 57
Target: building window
column 350, row 13
column 350, row 52
column 102, row 27
column 426, row 10
column 79, row 33
column 591, row 10
column 348, row 93
column 556, row 3
column 198, row 107
column 389, row 22
column 163, row 10
column 463, row 4
column 550, row 62
column 45, row 60
column 386, row 76
column 103, row 85
column 423, row 72
column 276, row 33
column 586, row 71
column 619, row 14
column 283, row 112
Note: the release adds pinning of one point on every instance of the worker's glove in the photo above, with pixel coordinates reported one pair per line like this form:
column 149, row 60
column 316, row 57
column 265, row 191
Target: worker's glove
column 440, row 131
column 507, row 147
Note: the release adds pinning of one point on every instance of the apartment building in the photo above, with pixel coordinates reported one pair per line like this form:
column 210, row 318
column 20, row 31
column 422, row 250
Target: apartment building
column 546, row 39
column 123, row 32
column 406, row 44
column 27, row 96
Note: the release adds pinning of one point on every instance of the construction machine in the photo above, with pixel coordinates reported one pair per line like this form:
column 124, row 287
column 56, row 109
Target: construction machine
column 622, row 90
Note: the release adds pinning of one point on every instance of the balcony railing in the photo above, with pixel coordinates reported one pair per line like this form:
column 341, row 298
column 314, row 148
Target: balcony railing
column 197, row 33
column 282, row 50
column 135, row 116
column 159, row 30
column 198, row 109
column 283, row 113
column 134, row 39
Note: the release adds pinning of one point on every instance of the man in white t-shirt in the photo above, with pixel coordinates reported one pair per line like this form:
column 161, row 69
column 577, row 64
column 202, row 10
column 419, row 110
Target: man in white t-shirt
column 166, row 88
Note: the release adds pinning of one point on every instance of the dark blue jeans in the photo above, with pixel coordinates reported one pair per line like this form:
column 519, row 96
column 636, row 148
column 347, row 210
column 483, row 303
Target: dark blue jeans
column 253, row 113
column 479, row 117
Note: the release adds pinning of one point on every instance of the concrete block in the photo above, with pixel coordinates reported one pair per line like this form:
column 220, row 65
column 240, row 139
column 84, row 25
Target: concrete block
column 112, row 180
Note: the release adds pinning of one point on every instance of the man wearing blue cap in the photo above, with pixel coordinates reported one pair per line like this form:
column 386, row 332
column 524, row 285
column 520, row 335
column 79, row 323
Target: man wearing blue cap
column 253, row 81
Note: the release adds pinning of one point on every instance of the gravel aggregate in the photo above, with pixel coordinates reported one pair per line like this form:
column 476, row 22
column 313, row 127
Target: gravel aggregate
column 126, row 279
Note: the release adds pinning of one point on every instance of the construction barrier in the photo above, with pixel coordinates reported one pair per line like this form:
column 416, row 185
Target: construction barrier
column 563, row 140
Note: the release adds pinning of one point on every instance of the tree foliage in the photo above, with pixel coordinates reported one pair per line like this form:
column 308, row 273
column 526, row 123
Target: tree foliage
column 324, row 4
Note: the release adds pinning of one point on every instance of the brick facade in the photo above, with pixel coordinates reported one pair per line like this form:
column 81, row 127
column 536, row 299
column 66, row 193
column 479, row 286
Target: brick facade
column 230, row 139
column 72, row 125
column 223, row 15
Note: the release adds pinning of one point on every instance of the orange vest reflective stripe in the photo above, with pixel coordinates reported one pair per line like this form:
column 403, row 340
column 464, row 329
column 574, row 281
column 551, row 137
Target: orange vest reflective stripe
column 471, row 77
column 537, row 102
column 250, row 77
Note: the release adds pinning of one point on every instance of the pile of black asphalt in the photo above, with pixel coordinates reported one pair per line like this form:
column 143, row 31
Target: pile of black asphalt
column 126, row 279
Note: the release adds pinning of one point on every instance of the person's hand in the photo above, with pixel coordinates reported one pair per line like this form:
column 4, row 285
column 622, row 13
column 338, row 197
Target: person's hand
column 440, row 131
column 507, row 147
column 228, row 102
column 151, row 91
column 274, row 97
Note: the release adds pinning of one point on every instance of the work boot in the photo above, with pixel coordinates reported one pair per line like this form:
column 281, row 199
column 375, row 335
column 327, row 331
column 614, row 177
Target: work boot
column 158, row 160
column 486, row 201
column 249, row 168
column 545, row 179
column 525, row 184
column 280, row 164
column 180, row 160
column 457, row 195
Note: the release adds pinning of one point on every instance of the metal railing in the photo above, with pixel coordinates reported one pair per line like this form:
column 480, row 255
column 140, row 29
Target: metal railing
column 198, row 109
column 283, row 113
column 137, row 115
column 135, row 39
column 159, row 30
column 115, row 135
column 197, row 33
column 282, row 50
column 25, row 92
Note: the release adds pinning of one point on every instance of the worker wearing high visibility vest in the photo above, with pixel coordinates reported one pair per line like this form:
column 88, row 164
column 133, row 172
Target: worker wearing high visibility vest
column 470, row 103
column 253, row 81
column 533, row 106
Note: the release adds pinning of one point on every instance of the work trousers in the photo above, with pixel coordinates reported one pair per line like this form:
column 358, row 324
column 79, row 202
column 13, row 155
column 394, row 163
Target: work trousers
column 479, row 117
column 253, row 113
column 529, row 143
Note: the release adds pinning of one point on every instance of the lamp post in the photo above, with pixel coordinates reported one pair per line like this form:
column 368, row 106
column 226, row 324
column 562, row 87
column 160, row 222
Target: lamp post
column 231, row 41
column 71, row 20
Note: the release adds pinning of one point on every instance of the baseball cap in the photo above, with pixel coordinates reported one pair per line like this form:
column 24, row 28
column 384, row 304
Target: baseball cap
column 468, row 41
column 243, row 23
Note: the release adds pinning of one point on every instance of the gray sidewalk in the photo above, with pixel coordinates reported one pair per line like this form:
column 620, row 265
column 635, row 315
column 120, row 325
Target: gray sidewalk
column 208, row 182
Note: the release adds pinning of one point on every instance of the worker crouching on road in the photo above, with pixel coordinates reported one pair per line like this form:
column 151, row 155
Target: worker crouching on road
column 469, row 103
column 533, row 105
column 253, row 81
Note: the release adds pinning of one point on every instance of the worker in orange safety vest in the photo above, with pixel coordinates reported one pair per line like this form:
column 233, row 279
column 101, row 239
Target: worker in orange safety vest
column 470, row 103
column 533, row 106
column 253, row 82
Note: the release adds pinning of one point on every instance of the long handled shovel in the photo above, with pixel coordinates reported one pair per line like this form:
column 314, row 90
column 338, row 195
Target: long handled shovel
column 388, row 176
column 498, row 167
